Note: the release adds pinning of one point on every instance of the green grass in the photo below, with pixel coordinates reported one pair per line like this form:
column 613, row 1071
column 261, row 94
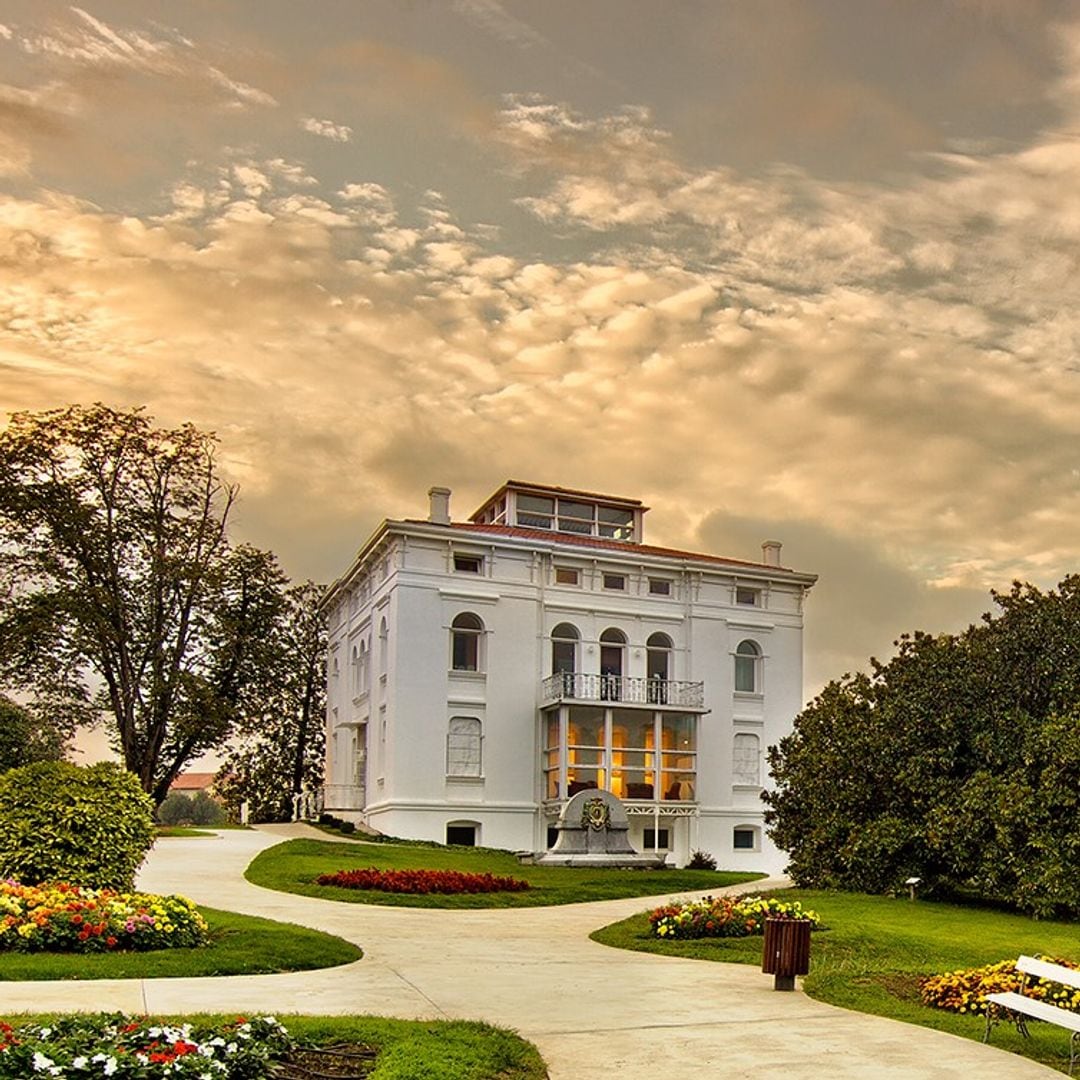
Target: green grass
column 181, row 830
column 294, row 866
column 874, row 950
column 240, row 945
column 408, row 1049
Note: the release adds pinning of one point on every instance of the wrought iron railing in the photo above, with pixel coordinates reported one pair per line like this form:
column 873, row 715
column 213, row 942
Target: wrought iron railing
column 627, row 689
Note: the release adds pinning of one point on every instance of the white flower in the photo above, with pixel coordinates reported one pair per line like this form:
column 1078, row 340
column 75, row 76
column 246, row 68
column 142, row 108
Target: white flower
column 80, row 1062
column 41, row 1062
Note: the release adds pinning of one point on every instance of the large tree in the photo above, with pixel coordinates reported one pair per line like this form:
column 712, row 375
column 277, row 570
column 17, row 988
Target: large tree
column 26, row 737
column 280, row 749
column 957, row 762
column 122, row 595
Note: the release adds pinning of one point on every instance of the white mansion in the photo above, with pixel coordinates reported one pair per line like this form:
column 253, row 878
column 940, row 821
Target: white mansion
column 482, row 672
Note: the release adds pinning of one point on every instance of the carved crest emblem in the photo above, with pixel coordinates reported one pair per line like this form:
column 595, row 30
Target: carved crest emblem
column 596, row 814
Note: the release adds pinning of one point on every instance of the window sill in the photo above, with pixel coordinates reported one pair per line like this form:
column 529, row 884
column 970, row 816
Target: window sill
column 472, row 676
column 452, row 779
column 747, row 695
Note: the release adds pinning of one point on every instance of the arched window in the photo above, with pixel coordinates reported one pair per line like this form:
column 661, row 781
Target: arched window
column 746, row 760
column 658, row 667
column 463, row 741
column 354, row 672
column 748, row 667
column 466, row 634
column 564, row 643
column 364, row 672
column 612, row 650
column 384, row 647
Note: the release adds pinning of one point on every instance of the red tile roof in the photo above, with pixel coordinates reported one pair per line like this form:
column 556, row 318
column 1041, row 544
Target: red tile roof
column 192, row 781
column 599, row 543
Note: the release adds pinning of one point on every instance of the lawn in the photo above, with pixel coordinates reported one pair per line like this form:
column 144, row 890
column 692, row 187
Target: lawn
column 874, row 949
column 408, row 1049
column 294, row 865
column 240, row 945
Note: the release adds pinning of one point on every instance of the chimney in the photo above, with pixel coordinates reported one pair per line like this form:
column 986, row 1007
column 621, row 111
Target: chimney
column 439, row 501
column 770, row 552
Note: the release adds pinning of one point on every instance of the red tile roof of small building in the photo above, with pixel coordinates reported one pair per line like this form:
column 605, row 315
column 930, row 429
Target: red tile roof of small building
column 193, row 781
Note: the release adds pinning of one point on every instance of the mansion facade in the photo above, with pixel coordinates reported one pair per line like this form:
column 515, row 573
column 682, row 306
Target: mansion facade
column 483, row 672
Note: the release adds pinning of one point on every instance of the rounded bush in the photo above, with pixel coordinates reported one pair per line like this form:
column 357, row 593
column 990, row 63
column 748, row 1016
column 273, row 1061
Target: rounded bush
column 90, row 826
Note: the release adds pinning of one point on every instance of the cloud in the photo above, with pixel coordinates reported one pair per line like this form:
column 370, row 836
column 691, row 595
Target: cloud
column 492, row 16
column 80, row 73
column 863, row 601
column 327, row 129
column 885, row 374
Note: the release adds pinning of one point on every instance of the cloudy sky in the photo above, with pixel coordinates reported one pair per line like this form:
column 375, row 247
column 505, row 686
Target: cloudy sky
column 792, row 269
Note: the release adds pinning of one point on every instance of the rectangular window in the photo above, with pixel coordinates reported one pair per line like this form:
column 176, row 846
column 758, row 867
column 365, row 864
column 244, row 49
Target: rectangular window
column 744, row 840
column 614, row 523
column 535, row 511
column 651, row 838
column 565, row 575
column 575, row 517
column 615, row 581
column 751, row 597
column 468, row 564
column 659, row 586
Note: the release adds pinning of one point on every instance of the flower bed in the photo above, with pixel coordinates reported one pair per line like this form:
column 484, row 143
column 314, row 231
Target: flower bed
column 67, row 918
column 722, row 916
column 77, row 1047
column 965, row 991
column 420, row 882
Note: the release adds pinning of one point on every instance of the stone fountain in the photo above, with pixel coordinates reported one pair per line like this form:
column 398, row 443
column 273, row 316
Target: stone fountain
column 595, row 831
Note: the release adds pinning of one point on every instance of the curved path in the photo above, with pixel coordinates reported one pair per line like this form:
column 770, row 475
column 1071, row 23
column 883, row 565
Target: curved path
column 593, row 1011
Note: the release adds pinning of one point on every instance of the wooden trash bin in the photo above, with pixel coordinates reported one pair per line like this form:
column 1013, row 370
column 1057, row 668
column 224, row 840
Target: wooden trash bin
column 786, row 952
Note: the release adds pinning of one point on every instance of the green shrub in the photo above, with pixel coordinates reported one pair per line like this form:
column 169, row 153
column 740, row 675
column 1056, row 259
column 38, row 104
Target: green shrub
column 91, row 826
column 175, row 809
column 701, row 860
column 206, row 810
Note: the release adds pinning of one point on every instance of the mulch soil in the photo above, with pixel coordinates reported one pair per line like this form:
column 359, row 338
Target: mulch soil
column 346, row 1061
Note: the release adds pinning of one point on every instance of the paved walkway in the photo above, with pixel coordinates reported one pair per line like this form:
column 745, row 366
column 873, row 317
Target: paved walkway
column 593, row 1011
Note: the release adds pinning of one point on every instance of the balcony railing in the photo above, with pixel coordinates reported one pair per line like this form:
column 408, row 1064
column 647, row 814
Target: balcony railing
column 626, row 689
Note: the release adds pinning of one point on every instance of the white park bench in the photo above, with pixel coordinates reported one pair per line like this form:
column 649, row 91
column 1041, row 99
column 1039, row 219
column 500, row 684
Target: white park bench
column 1019, row 1006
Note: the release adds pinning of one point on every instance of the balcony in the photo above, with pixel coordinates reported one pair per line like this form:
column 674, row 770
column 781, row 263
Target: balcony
column 623, row 690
